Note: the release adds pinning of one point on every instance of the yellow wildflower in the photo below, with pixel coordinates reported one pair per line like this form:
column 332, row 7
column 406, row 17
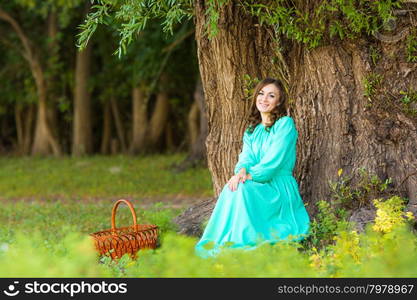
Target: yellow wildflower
column 409, row 215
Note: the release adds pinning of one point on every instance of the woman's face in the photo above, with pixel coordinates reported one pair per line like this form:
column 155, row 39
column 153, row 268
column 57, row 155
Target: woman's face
column 267, row 98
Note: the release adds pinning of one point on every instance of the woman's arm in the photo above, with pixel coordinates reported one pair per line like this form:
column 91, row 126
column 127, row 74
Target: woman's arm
column 284, row 139
column 246, row 157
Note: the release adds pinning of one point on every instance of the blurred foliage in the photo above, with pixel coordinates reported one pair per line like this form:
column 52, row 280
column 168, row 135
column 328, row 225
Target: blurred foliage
column 310, row 24
column 345, row 194
column 368, row 192
column 153, row 53
column 132, row 17
column 353, row 254
column 390, row 213
column 325, row 225
column 49, row 240
column 249, row 86
column 317, row 23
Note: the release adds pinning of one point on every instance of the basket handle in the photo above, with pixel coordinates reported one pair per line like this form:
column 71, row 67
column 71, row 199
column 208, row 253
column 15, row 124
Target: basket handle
column 113, row 213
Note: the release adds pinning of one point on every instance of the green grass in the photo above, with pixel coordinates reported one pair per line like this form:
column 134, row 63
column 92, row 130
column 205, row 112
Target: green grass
column 55, row 219
column 100, row 177
column 50, row 238
column 41, row 239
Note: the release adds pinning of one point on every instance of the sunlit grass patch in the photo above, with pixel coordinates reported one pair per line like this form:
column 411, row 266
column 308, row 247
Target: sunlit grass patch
column 100, row 177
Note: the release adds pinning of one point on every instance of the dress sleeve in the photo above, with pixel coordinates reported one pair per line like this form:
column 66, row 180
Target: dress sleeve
column 285, row 135
column 246, row 157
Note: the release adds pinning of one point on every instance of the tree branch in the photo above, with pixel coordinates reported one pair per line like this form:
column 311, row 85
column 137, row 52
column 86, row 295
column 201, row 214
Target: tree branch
column 178, row 41
column 28, row 52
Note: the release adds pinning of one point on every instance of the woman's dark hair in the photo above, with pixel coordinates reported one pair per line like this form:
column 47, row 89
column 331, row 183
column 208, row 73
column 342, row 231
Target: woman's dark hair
column 279, row 111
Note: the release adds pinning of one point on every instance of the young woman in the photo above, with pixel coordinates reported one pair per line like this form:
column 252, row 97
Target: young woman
column 261, row 202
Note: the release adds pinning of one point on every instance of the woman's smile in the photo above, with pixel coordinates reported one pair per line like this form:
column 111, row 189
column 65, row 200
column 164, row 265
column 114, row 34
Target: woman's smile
column 267, row 98
column 264, row 105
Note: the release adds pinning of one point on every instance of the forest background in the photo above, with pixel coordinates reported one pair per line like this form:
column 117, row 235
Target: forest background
column 154, row 106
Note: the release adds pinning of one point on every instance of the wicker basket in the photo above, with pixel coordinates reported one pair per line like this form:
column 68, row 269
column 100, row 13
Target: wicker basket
column 116, row 242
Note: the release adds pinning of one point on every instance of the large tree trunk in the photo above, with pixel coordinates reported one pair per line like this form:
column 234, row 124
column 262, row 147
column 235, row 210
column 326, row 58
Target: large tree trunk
column 82, row 131
column 336, row 129
column 337, row 126
column 239, row 48
column 140, row 120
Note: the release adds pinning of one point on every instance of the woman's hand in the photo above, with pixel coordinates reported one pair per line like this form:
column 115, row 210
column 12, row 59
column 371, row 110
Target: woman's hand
column 236, row 179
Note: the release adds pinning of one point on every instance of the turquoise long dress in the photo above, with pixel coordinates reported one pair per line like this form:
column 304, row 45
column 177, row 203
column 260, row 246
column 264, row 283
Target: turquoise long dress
column 267, row 208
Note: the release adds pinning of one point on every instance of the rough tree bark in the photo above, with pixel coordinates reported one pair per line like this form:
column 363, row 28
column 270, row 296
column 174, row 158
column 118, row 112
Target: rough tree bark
column 336, row 127
column 239, row 48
